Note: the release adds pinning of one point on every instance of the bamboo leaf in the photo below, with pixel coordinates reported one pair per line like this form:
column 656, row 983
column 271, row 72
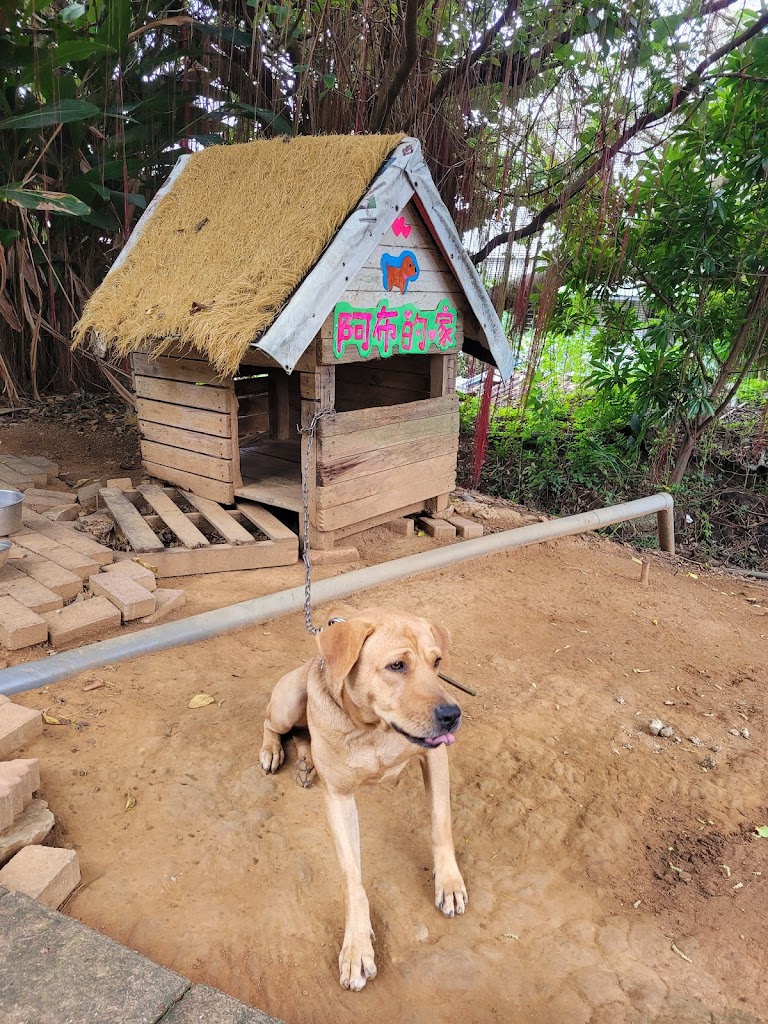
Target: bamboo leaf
column 65, row 112
column 33, row 199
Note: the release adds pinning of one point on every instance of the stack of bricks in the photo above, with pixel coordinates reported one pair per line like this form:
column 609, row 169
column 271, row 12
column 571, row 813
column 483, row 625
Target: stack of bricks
column 59, row 585
column 44, row 873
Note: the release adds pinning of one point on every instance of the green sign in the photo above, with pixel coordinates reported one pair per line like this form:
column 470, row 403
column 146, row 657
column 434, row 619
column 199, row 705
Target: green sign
column 391, row 330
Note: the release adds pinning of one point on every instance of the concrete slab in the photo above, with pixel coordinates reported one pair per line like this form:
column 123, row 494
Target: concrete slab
column 54, row 969
column 204, row 1005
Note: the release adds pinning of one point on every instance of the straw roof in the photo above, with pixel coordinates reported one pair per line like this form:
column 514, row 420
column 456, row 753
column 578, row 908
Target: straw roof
column 224, row 249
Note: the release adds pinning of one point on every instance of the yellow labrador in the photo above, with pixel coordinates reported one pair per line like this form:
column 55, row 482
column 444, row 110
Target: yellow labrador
column 372, row 701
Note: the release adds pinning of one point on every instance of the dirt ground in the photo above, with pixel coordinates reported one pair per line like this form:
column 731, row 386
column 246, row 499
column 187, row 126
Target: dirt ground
column 614, row 876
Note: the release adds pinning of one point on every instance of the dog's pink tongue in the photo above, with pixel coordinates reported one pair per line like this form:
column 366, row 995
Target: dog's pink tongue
column 447, row 738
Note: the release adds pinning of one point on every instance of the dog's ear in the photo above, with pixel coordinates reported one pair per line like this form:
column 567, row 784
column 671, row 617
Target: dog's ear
column 340, row 646
column 443, row 640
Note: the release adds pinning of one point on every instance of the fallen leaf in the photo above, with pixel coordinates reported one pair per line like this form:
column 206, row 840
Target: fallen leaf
column 95, row 684
column 762, row 830
column 130, row 802
column 693, row 577
column 201, row 700
column 54, row 719
column 726, row 870
column 739, row 885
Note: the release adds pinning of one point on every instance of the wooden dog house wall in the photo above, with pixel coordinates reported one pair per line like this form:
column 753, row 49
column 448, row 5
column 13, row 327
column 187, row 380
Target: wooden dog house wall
column 390, row 449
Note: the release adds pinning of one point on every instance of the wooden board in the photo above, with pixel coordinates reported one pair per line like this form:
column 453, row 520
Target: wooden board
column 194, row 420
column 221, row 521
column 270, row 481
column 188, row 461
column 213, row 399
column 415, row 484
column 380, row 520
column 268, row 524
column 386, row 458
column 173, row 517
column 364, row 418
column 192, row 371
column 221, row 558
column 191, row 440
column 354, row 488
column 216, row 490
column 128, row 520
column 357, row 442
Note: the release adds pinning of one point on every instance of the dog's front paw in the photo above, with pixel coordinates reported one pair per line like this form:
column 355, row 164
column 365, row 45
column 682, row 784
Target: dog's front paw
column 451, row 894
column 272, row 754
column 356, row 962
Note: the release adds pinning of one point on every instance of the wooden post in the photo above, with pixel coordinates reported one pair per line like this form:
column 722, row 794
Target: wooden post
column 318, row 392
column 442, row 382
column 279, row 420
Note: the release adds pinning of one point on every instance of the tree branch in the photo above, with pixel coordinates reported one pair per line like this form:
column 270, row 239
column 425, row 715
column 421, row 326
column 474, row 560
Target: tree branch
column 473, row 56
column 387, row 96
column 676, row 100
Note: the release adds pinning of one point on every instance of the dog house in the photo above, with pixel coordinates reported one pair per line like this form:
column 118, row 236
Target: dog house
column 271, row 281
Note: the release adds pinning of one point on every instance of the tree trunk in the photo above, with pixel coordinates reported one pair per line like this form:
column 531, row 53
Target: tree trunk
column 684, row 453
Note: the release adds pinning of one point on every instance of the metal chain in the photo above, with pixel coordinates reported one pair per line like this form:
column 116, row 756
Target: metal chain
column 309, row 431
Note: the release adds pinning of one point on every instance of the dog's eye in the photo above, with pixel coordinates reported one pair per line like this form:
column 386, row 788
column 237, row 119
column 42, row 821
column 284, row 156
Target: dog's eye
column 397, row 666
column 437, row 662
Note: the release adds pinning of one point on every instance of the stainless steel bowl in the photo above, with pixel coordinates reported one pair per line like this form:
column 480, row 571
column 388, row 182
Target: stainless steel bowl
column 10, row 512
column 5, row 547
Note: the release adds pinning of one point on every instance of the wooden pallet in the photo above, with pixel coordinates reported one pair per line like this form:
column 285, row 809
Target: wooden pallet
column 208, row 538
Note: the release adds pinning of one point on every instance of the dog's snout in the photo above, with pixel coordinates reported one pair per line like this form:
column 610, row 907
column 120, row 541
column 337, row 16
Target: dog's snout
column 446, row 716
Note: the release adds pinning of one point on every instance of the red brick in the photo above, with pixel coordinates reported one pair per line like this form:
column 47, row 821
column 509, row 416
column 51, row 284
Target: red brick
column 19, row 626
column 61, row 581
column 333, row 556
column 31, row 594
column 81, row 620
column 466, row 528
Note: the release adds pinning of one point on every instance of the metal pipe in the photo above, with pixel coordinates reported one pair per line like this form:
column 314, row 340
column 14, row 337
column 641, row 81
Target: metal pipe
column 35, row 674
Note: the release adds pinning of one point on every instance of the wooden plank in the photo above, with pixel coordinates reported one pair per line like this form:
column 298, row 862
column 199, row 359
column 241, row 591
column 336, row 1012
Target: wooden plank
column 194, row 396
column 127, row 518
column 416, row 485
column 380, row 520
column 191, row 440
column 192, row 371
column 271, row 482
column 189, row 462
column 380, row 459
column 429, row 258
column 204, row 486
column 221, row 521
column 442, row 372
column 222, row 558
column 357, row 488
column 373, row 439
column 364, row 418
column 367, row 396
column 277, row 405
column 268, row 524
column 173, row 517
column 197, row 420
column 379, row 374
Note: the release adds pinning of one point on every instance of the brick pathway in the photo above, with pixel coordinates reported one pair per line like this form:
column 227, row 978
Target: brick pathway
column 54, row 970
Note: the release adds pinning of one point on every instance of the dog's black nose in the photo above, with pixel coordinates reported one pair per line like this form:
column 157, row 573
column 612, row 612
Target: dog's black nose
column 446, row 716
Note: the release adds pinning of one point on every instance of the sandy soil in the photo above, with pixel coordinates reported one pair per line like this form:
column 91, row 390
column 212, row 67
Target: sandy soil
column 614, row 876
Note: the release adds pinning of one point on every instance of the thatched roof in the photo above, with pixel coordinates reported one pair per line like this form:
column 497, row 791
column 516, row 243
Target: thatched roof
column 225, row 247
